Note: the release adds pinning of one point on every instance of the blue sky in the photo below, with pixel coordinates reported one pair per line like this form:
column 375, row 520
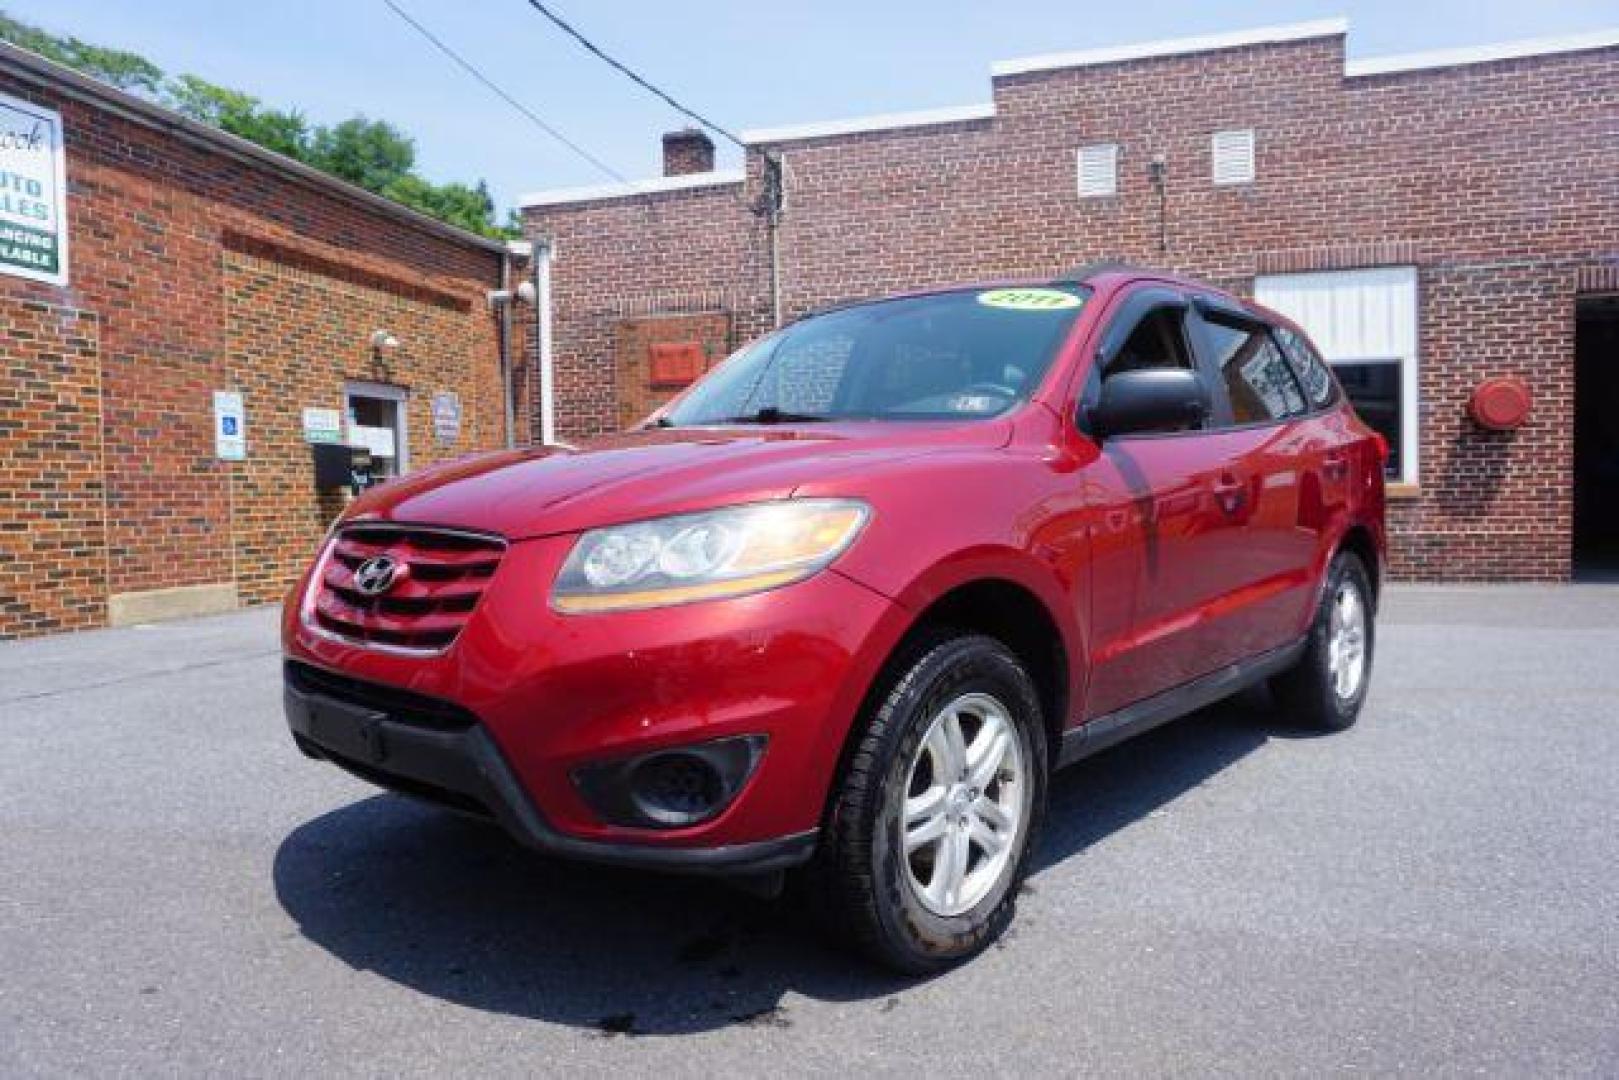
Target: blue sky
column 744, row 63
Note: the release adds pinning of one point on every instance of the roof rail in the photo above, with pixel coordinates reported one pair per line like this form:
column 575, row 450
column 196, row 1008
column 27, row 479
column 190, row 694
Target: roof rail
column 1082, row 274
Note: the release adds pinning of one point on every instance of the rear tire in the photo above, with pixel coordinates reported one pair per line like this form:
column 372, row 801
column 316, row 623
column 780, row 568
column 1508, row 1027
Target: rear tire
column 929, row 833
column 1325, row 689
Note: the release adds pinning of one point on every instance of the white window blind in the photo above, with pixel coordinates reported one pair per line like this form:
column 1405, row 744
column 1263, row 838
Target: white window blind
column 1098, row 170
column 1233, row 153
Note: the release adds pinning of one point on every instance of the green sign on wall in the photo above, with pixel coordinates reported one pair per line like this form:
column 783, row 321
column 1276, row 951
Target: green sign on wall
column 33, row 192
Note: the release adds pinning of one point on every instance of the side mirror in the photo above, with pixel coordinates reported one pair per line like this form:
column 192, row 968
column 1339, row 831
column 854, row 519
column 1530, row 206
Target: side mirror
column 1151, row 399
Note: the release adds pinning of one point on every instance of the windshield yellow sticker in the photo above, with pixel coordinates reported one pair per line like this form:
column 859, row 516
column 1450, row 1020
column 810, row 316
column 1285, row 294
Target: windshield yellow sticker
column 1028, row 299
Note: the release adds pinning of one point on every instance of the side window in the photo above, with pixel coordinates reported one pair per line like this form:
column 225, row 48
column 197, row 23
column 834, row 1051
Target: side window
column 1158, row 341
column 1311, row 369
column 1258, row 380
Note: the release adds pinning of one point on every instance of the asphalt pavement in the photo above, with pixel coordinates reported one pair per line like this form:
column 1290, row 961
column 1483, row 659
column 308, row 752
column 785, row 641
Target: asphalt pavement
column 1434, row 892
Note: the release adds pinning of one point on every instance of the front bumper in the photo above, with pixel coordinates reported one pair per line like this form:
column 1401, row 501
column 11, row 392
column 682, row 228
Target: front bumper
column 544, row 696
column 436, row 751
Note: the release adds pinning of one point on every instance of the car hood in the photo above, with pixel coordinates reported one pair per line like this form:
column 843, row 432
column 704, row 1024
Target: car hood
column 542, row 491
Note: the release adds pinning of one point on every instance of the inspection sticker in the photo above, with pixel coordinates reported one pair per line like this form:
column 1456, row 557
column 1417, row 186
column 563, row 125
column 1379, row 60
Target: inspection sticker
column 1029, row 299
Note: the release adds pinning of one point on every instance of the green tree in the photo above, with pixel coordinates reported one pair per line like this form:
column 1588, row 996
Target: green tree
column 469, row 206
column 240, row 114
column 370, row 153
column 125, row 70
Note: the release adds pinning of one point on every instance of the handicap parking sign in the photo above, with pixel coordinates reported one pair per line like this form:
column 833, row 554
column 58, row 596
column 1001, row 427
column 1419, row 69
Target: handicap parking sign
column 230, row 426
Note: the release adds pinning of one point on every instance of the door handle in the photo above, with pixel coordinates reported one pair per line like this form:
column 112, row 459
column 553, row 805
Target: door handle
column 1335, row 467
column 1230, row 492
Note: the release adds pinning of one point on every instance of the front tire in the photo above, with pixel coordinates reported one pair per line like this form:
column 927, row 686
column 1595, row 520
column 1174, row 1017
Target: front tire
column 1325, row 689
column 929, row 834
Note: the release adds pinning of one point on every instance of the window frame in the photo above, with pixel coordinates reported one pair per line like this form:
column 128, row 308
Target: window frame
column 399, row 396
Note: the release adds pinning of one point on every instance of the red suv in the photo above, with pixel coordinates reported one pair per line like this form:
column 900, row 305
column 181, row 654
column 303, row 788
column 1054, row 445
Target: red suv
column 849, row 600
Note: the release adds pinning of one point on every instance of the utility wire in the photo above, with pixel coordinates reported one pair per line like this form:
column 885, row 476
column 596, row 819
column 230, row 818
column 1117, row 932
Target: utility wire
column 504, row 96
column 562, row 25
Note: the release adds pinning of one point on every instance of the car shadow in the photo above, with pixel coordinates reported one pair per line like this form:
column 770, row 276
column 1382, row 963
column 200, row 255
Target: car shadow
column 452, row 908
column 1099, row 796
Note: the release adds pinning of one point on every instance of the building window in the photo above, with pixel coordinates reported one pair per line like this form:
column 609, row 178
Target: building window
column 1374, row 387
column 1098, row 170
column 1365, row 324
column 376, row 421
column 1233, row 153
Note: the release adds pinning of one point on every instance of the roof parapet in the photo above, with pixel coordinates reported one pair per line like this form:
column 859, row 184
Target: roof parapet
column 1482, row 54
column 954, row 114
column 1119, row 54
column 597, row 192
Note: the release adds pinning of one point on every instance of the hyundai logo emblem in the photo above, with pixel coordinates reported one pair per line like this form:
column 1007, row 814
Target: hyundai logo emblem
column 377, row 575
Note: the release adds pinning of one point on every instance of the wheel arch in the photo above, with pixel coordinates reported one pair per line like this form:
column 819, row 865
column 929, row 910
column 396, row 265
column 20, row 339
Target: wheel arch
column 999, row 605
column 1359, row 541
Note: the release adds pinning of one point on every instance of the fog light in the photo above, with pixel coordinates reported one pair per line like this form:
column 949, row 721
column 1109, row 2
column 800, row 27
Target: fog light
column 676, row 788
column 669, row 789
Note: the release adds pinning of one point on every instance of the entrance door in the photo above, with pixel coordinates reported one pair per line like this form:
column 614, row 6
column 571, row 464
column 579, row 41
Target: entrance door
column 1596, row 438
column 376, row 421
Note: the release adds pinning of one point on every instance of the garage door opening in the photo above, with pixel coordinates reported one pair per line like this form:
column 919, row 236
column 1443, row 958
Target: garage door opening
column 1596, row 439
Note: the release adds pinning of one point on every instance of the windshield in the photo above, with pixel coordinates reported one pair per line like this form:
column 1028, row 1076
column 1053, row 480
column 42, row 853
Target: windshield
column 967, row 354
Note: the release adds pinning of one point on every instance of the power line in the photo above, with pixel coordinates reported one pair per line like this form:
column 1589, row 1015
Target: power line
column 635, row 78
column 504, row 96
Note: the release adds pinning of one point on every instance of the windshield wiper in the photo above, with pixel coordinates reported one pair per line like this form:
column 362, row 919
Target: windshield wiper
column 772, row 415
column 662, row 421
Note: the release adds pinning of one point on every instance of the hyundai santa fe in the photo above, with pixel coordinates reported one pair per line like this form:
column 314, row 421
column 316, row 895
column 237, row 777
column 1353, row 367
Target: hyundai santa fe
column 842, row 606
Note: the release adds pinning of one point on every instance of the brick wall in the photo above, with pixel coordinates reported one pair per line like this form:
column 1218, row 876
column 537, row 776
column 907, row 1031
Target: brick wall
column 53, row 550
column 162, row 225
column 638, row 393
column 293, row 339
column 1499, row 181
column 675, row 253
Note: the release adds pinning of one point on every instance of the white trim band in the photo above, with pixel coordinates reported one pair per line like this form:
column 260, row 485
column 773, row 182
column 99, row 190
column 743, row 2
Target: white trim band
column 687, row 182
column 1483, row 54
column 1115, row 54
column 954, row 114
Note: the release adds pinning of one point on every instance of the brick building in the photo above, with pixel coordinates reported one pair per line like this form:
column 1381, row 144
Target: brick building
column 1435, row 220
column 175, row 262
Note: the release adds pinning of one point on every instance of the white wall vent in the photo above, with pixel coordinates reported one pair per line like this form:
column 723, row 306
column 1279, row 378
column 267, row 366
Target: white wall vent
column 1233, row 153
column 1098, row 170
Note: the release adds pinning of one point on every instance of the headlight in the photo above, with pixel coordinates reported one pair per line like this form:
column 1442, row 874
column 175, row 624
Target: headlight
column 706, row 556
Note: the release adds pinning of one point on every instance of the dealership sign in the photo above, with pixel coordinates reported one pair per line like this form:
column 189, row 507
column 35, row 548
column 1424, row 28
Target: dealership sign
column 33, row 192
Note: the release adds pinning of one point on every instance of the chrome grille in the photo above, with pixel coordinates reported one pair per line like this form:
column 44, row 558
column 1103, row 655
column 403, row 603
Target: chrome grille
column 444, row 574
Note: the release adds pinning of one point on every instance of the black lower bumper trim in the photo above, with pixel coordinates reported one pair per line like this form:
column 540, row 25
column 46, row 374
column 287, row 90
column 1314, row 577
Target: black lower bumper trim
column 464, row 770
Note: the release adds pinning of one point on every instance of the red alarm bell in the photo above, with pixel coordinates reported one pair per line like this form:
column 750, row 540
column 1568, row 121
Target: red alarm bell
column 1501, row 404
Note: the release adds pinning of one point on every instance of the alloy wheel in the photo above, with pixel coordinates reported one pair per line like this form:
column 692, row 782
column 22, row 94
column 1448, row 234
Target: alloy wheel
column 1346, row 641
column 966, row 803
